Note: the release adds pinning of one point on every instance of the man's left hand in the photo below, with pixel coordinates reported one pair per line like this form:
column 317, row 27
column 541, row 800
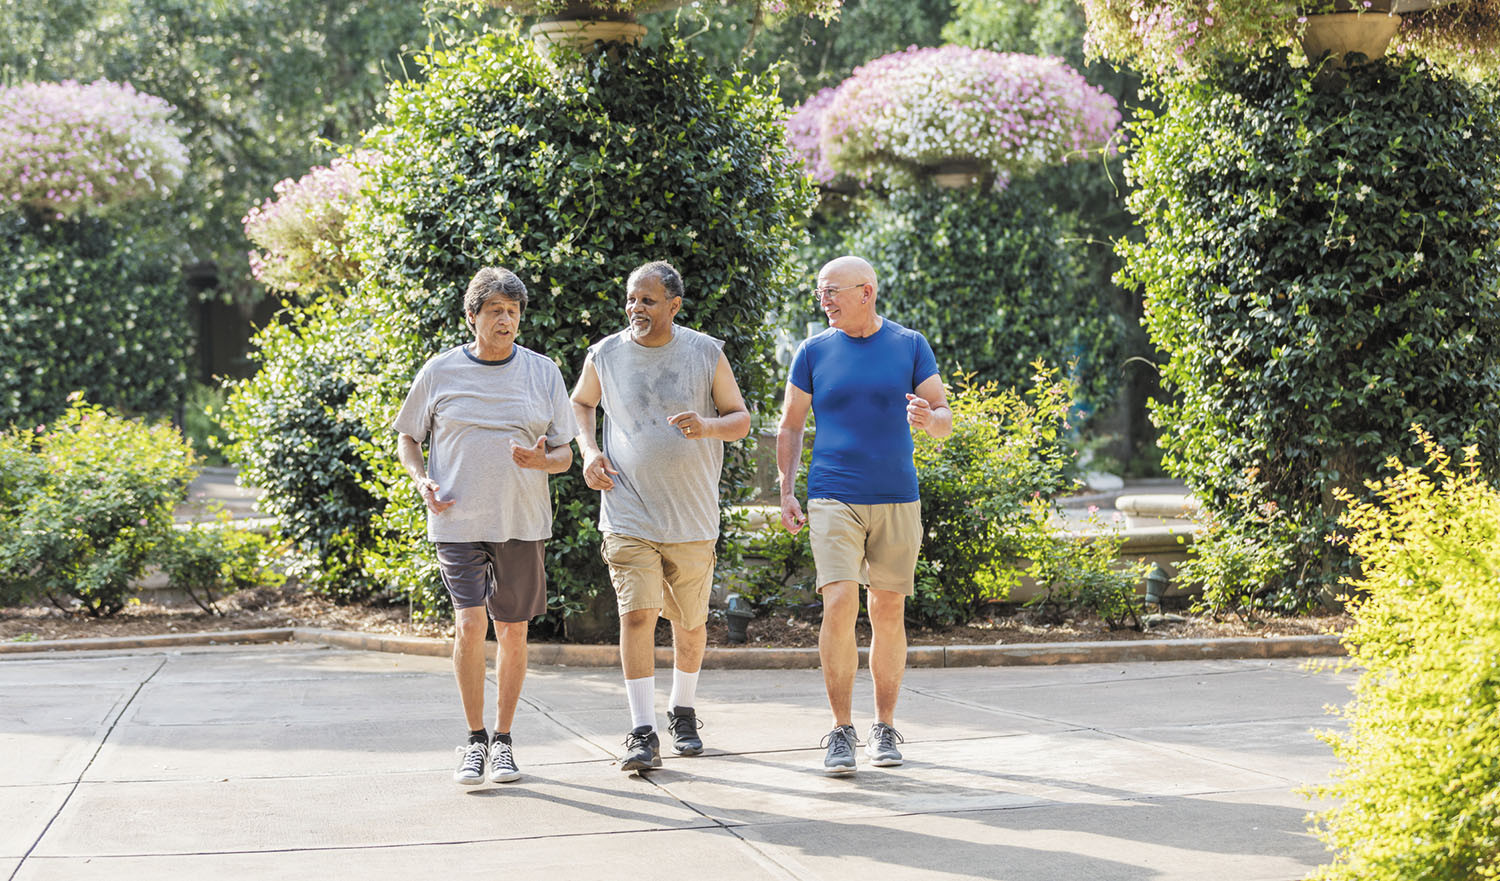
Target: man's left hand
column 918, row 412
column 690, row 424
column 530, row 457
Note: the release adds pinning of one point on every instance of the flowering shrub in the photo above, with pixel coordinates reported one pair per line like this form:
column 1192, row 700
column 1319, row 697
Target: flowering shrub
column 302, row 233
column 821, row 9
column 1172, row 37
column 1008, row 112
column 804, row 132
column 68, row 149
column 83, row 503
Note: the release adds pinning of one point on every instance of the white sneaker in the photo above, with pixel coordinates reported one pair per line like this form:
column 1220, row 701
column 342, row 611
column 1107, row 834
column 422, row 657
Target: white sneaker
column 470, row 763
column 502, row 763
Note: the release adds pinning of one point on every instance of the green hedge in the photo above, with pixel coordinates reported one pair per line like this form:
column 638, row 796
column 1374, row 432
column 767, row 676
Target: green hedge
column 1417, row 794
column 1321, row 265
column 89, row 305
column 993, row 282
column 571, row 178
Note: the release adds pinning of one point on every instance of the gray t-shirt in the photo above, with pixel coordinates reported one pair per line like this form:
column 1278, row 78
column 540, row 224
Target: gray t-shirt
column 472, row 410
column 668, row 486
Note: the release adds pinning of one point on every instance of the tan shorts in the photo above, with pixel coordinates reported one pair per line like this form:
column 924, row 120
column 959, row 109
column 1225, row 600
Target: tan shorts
column 675, row 577
column 874, row 545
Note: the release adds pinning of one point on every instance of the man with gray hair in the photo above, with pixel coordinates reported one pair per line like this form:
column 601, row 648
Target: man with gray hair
column 488, row 513
column 670, row 402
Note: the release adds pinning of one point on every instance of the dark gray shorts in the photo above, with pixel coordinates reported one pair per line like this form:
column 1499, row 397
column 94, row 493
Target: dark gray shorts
column 508, row 577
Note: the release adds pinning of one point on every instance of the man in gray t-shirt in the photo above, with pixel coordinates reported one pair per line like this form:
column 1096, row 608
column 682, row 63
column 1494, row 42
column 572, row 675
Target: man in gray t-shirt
column 670, row 401
column 497, row 421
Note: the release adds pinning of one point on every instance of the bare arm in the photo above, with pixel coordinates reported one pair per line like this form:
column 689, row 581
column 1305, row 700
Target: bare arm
column 928, row 408
column 409, row 451
column 789, row 453
column 586, row 396
column 553, row 460
column 733, row 421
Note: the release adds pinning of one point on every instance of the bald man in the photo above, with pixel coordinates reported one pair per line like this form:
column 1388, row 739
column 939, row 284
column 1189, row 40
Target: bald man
column 869, row 381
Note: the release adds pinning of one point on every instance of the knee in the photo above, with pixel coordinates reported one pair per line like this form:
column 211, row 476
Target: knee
column 841, row 602
column 470, row 625
column 639, row 619
column 887, row 610
column 510, row 632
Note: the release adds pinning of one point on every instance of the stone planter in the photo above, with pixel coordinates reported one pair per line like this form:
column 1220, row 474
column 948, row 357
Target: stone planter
column 1341, row 33
column 582, row 33
column 958, row 174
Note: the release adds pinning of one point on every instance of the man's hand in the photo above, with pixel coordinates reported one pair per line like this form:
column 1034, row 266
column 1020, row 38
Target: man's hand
column 690, row 424
column 427, row 488
column 791, row 514
column 534, row 457
column 918, row 412
column 597, row 471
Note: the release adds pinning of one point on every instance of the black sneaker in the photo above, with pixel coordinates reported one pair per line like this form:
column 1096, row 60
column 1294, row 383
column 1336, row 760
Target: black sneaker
column 642, row 750
column 471, row 758
column 684, row 728
column 502, row 762
column 840, row 756
column 881, row 746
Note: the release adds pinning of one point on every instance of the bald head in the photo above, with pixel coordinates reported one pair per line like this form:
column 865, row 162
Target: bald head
column 849, row 270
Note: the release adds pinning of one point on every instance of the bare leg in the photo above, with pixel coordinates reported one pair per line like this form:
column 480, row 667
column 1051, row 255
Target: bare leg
column 838, row 648
column 688, row 646
column 510, row 671
column 468, row 662
column 638, row 643
column 887, row 650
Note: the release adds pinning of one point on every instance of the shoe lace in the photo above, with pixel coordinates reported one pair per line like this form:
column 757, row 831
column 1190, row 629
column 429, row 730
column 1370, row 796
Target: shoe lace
column 637, row 741
column 473, row 760
column 500, row 755
column 837, row 741
column 687, row 723
column 885, row 736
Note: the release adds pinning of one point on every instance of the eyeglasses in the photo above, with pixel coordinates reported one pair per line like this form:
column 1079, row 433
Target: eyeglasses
column 821, row 294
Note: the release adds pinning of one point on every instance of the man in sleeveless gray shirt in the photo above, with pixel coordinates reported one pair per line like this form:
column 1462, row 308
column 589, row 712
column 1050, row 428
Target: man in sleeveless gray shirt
column 497, row 421
column 670, row 401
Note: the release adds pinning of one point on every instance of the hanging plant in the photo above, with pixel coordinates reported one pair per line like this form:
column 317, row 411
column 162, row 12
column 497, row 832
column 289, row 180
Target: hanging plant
column 68, row 149
column 1001, row 113
column 1179, row 37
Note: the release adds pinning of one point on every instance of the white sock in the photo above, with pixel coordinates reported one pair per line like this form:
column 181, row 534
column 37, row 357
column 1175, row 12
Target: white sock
column 642, row 696
column 684, row 688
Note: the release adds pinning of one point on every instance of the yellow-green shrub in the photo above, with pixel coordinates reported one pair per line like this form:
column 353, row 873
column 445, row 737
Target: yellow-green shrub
column 1418, row 796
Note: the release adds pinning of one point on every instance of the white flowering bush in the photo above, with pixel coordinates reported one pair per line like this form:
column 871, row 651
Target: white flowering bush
column 1172, row 38
column 301, row 230
column 1009, row 113
column 69, row 149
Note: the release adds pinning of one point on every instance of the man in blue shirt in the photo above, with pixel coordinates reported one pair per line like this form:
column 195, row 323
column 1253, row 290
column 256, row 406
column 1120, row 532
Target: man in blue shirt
column 869, row 382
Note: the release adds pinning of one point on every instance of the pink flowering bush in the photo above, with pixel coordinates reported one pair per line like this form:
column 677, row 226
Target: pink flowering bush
column 821, row 9
column 804, row 132
column 301, row 230
column 1178, row 37
column 1009, row 113
column 68, row 149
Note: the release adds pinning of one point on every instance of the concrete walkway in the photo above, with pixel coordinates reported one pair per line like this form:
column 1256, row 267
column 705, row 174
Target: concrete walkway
column 316, row 762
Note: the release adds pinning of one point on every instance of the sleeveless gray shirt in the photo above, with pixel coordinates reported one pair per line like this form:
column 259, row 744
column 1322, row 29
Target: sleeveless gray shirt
column 668, row 486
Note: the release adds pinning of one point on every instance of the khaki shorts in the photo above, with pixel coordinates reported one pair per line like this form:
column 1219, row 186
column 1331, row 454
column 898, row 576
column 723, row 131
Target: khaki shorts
column 675, row 577
column 874, row 545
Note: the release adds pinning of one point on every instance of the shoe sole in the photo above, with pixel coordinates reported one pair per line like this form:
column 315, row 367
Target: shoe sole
column 468, row 781
column 506, row 778
column 886, row 763
column 627, row 767
column 687, row 751
column 838, row 771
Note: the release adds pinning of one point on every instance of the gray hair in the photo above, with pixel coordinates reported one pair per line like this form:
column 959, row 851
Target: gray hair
column 490, row 282
column 665, row 273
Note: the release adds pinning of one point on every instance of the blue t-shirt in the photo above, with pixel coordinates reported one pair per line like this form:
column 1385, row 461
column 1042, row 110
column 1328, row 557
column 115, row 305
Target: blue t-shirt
column 862, row 450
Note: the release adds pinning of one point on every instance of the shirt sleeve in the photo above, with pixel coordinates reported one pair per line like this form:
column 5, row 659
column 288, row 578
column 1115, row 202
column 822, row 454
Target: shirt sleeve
column 564, row 427
column 802, row 368
column 415, row 417
column 924, row 363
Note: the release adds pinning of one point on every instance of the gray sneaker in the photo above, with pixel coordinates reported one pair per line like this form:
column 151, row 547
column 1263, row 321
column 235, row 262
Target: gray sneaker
column 840, row 756
column 881, row 747
column 471, row 758
column 502, row 763
column 642, row 750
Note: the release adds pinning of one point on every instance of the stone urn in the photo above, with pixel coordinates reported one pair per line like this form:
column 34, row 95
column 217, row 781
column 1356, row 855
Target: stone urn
column 1342, row 33
column 958, row 174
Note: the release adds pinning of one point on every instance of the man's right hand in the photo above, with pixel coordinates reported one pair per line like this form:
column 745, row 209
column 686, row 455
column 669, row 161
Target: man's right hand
column 597, row 471
column 791, row 515
column 428, row 489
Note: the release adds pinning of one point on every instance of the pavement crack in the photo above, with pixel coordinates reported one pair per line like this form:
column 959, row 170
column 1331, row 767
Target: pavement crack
column 87, row 765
